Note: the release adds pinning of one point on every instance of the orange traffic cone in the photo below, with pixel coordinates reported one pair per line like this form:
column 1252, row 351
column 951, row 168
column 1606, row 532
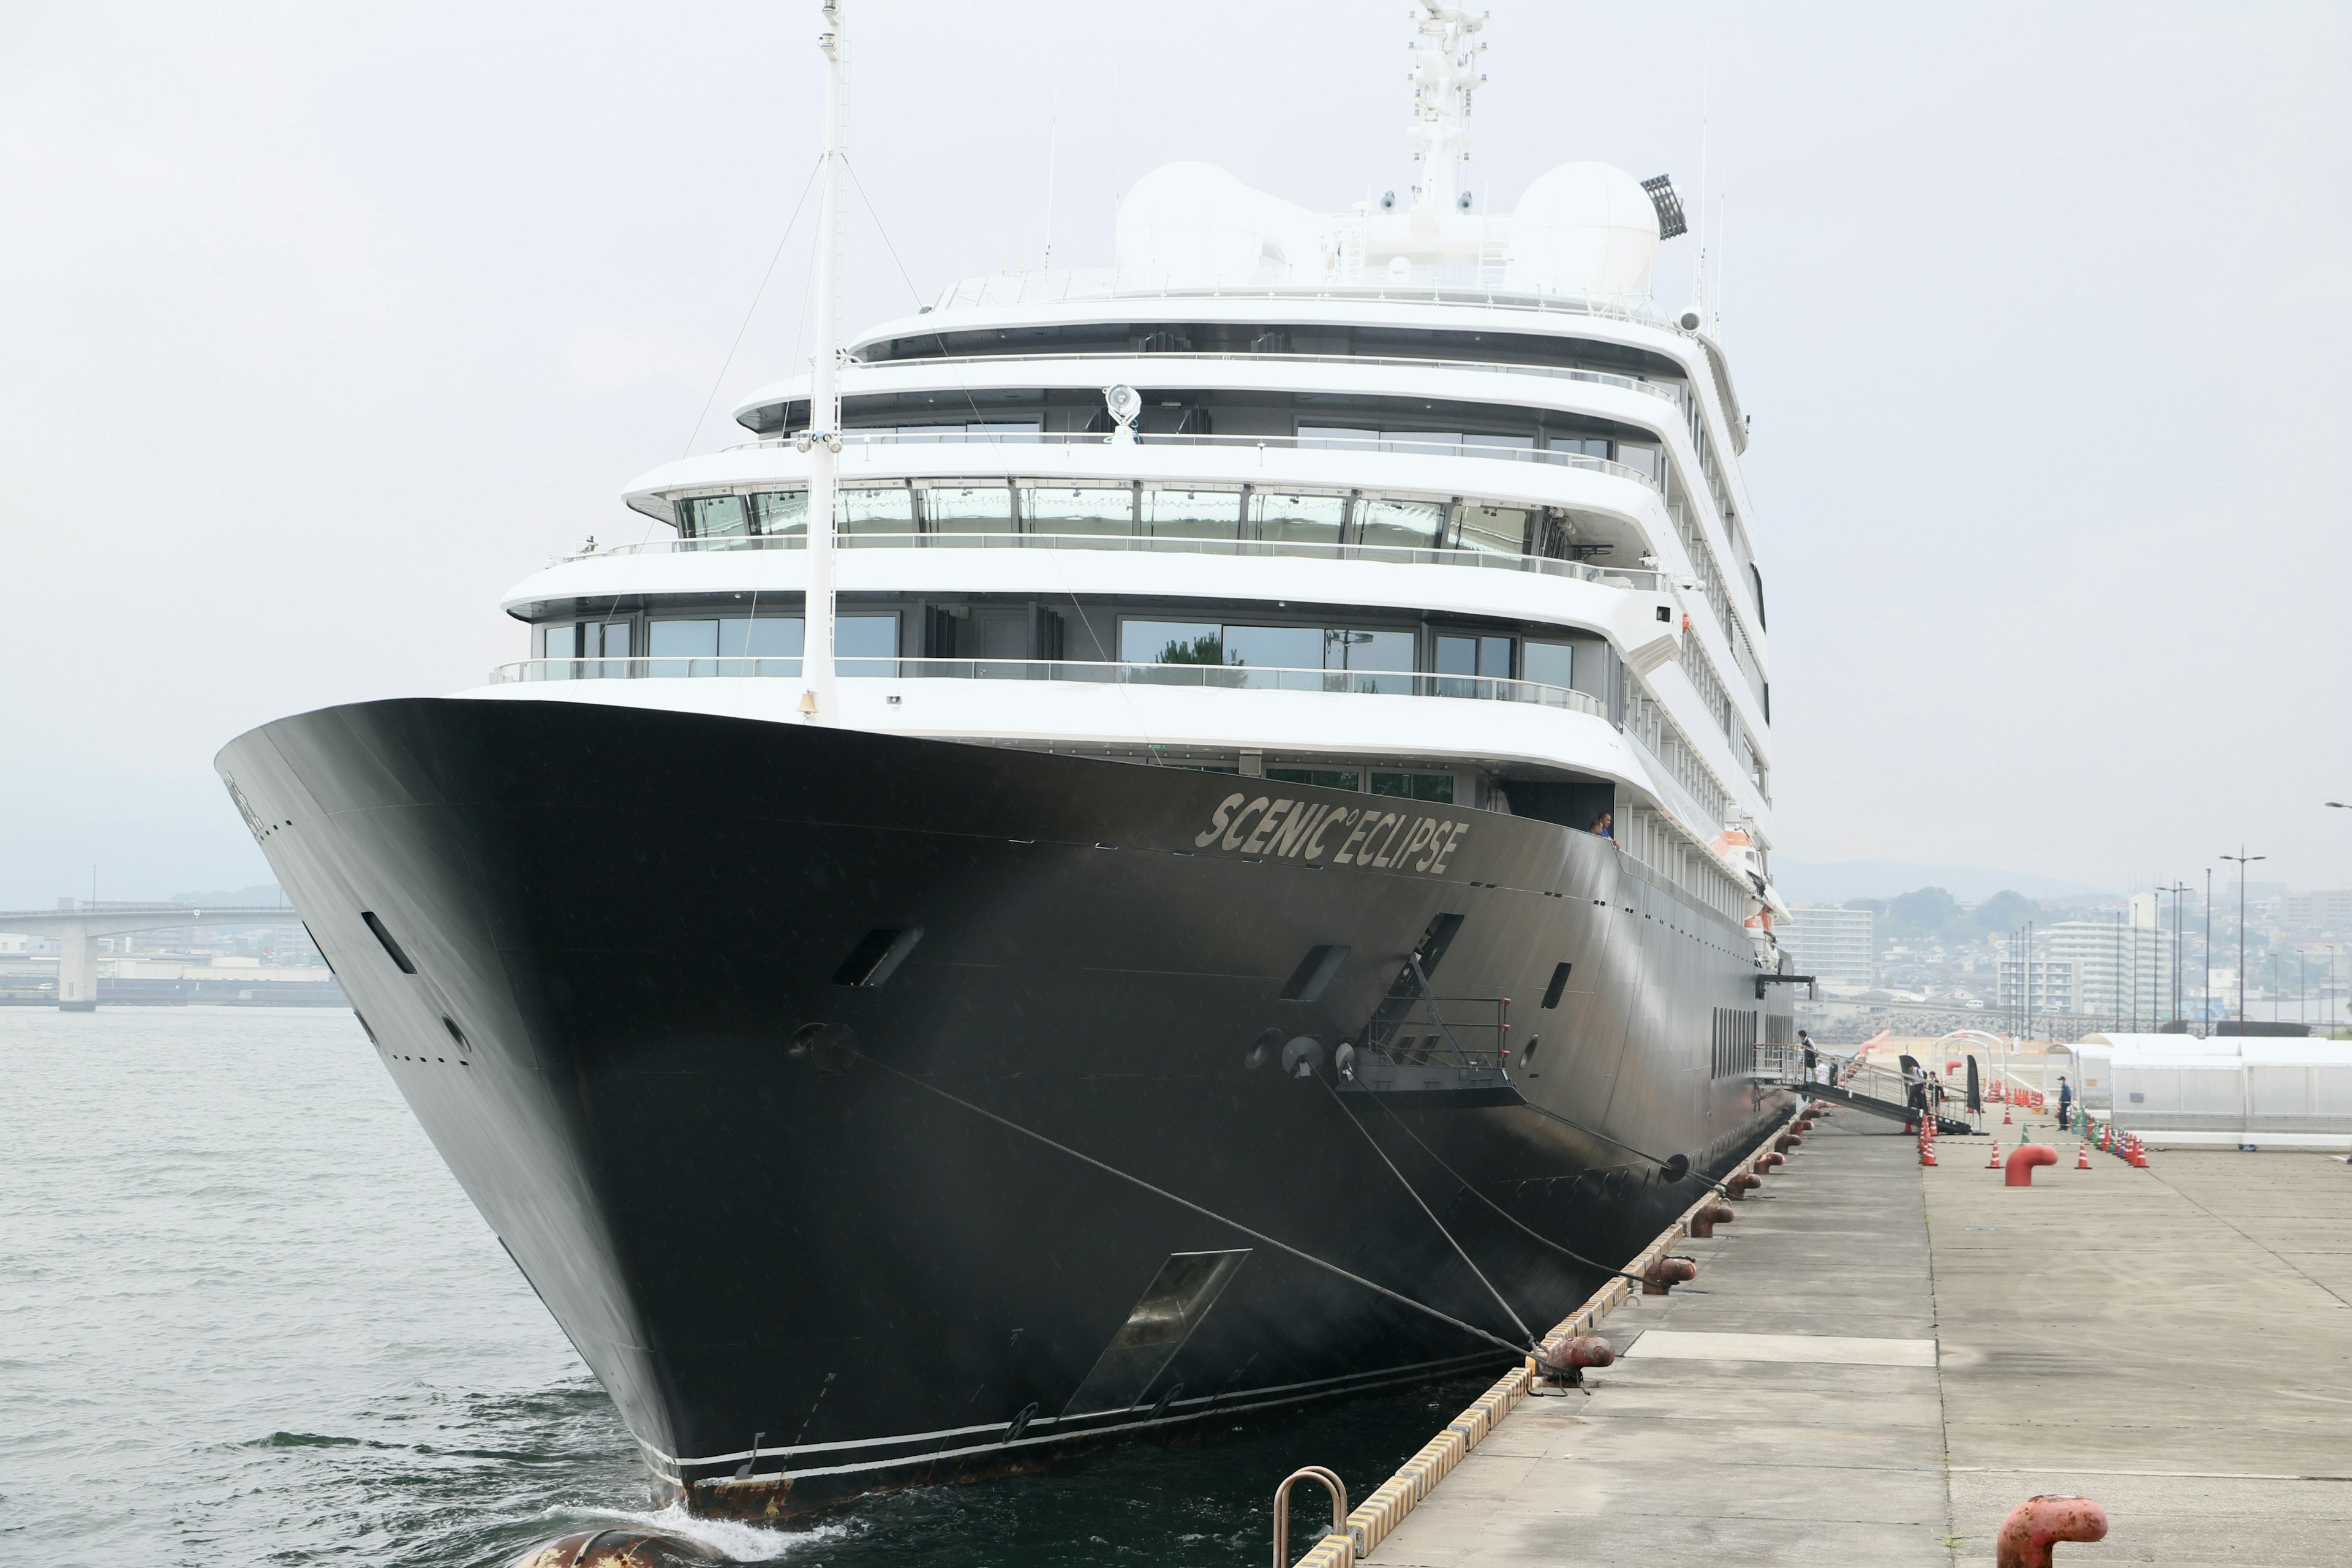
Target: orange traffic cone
column 2004, row 1113
column 2083, row 1156
column 1994, row 1162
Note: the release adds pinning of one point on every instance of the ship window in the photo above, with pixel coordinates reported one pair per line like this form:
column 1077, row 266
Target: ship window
column 1078, row 508
column 1548, row 663
column 867, row 645
column 1551, row 996
column 1492, row 530
column 780, row 512
column 1297, row 519
column 1419, row 442
column 1320, row 778
column 1590, row 447
column 875, row 508
column 1435, row 787
column 683, row 648
column 1171, row 642
column 1319, row 437
column 1644, row 458
column 1380, row 520
column 1461, row 655
column 1498, row 442
column 714, row 517
column 1375, row 661
column 968, row 509
column 1195, row 512
column 559, row 641
column 1274, row 647
column 763, row 644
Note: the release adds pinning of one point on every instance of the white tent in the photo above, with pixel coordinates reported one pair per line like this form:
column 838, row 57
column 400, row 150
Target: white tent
column 2227, row 1090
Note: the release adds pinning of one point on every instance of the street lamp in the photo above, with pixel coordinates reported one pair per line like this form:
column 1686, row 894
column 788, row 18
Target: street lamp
column 2244, row 859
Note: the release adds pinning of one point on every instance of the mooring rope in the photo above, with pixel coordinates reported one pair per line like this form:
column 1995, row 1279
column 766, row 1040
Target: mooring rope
column 1206, row 1211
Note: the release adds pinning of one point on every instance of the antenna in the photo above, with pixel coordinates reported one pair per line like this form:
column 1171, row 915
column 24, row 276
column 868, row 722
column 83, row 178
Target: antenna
column 822, row 439
column 1444, row 75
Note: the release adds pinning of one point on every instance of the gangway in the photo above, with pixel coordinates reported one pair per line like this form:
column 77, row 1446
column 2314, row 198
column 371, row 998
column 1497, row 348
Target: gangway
column 1879, row 1090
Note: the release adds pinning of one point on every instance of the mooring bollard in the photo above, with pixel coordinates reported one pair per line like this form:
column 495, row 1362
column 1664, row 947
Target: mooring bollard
column 1737, row 1188
column 1765, row 1163
column 1668, row 1272
column 2038, row 1523
column 1568, row 1363
column 2021, row 1160
column 1704, row 1220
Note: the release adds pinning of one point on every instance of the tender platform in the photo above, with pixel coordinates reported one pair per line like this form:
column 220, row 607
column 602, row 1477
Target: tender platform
column 1877, row 1362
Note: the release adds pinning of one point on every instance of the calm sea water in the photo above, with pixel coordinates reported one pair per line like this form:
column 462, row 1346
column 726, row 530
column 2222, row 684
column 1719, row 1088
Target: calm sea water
column 246, row 1316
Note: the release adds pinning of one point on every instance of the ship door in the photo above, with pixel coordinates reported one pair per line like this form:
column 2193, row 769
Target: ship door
column 1170, row 1308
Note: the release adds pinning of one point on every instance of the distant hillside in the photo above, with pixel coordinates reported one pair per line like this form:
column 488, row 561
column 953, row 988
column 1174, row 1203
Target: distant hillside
column 1837, row 881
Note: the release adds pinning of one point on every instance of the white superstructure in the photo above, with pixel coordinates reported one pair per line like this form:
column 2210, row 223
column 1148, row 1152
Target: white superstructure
column 1414, row 494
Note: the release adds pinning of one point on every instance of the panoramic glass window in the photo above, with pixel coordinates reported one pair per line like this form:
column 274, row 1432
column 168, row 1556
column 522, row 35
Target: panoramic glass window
column 683, row 648
column 1272, row 649
column 1320, row 778
column 1078, row 508
column 714, row 517
column 1297, row 519
column 1462, row 654
column 780, row 511
column 865, row 644
column 1590, row 447
column 759, row 646
column 1492, row 530
column 1548, row 663
column 974, row 508
column 1425, row 442
column 1197, row 513
column 1435, row 787
column 1365, row 656
column 1171, row 642
column 1498, row 445
column 1649, row 459
column 1342, row 437
column 559, row 641
column 1382, row 521
column 875, row 508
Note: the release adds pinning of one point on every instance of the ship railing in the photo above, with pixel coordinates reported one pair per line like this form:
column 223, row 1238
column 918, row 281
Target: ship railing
column 854, row 442
column 1419, row 285
column 1671, row 392
column 1445, row 1031
column 1222, row 676
column 1635, row 579
column 1786, row 1064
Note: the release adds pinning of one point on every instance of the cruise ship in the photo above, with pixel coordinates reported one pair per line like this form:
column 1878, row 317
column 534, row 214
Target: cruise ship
column 1153, row 845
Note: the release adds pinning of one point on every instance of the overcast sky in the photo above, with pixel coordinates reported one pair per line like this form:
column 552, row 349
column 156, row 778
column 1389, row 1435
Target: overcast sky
column 321, row 325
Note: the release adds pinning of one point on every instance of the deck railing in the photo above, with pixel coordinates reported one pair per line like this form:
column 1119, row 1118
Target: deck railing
column 1223, row 677
column 1630, row 578
column 852, row 442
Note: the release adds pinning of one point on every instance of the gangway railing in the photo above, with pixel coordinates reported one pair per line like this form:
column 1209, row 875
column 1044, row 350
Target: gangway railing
column 1881, row 1091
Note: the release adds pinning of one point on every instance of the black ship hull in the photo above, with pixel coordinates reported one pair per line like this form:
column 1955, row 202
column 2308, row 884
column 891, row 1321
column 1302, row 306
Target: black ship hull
column 872, row 1111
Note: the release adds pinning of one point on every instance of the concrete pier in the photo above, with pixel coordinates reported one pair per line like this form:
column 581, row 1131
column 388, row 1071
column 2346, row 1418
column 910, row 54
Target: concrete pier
column 1877, row 1362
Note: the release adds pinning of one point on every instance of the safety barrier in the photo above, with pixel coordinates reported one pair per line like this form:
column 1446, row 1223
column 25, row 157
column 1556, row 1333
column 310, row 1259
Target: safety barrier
column 1380, row 1513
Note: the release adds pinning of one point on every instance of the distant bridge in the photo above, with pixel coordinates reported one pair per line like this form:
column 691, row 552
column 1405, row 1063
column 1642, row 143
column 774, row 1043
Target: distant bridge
column 78, row 930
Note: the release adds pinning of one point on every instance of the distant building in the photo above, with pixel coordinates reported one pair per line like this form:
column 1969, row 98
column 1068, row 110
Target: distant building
column 2106, row 968
column 1832, row 943
column 2330, row 911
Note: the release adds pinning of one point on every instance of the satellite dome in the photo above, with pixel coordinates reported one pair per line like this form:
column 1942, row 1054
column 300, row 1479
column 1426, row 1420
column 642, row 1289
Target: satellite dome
column 1194, row 221
column 1586, row 229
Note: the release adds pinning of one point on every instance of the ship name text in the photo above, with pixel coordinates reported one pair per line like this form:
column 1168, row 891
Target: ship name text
column 1351, row 835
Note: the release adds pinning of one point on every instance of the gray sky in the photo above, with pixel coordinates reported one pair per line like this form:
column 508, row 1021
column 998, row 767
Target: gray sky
column 324, row 324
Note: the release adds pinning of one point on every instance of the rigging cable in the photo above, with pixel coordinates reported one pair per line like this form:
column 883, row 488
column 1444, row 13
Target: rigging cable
column 939, row 338
column 1302, row 1256
column 1410, row 1191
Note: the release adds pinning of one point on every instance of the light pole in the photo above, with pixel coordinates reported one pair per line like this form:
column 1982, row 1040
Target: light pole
column 2243, row 860
column 2205, row 999
column 2179, row 890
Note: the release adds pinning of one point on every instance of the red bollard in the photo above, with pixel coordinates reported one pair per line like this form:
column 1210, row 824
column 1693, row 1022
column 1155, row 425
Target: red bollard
column 1787, row 1141
column 1764, row 1162
column 1737, row 1188
column 1668, row 1272
column 2021, row 1160
column 1567, row 1363
column 2038, row 1523
column 1702, row 1221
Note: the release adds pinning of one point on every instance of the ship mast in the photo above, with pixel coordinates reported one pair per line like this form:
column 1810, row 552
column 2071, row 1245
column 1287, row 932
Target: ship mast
column 819, row 702
column 1444, row 75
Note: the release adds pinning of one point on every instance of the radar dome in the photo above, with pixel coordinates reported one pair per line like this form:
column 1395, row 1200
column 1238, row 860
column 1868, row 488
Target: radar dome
column 1585, row 229
column 1194, row 221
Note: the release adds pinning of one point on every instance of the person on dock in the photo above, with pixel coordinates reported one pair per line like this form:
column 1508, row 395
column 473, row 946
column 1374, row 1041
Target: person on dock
column 2065, row 1103
column 1812, row 1059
